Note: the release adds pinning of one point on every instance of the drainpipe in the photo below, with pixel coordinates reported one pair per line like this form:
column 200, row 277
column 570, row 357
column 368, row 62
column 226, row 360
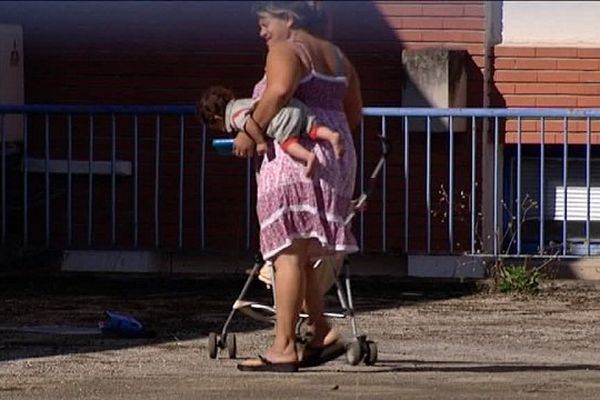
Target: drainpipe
column 491, row 9
column 488, row 52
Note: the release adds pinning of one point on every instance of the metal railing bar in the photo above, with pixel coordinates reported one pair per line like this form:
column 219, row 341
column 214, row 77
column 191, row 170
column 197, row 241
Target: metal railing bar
column 96, row 109
column 406, row 183
column 473, row 183
column 428, row 184
column 481, row 112
column 384, row 194
column 451, row 185
column 47, row 175
column 565, row 183
column 519, row 171
column 202, row 189
column 69, row 179
column 542, row 184
column 181, row 175
column 588, row 176
column 25, row 181
column 3, row 140
column 362, row 182
column 113, row 180
column 248, row 199
column 496, row 233
column 157, row 180
column 135, row 181
column 91, row 180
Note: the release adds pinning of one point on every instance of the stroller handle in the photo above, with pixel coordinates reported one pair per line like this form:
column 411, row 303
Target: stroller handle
column 386, row 147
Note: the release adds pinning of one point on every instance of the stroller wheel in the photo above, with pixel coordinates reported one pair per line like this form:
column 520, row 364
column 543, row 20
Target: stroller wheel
column 354, row 353
column 371, row 356
column 231, row 345
column 212, row 345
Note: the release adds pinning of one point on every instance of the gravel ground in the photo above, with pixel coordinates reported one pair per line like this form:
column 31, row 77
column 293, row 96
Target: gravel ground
column 436, row 340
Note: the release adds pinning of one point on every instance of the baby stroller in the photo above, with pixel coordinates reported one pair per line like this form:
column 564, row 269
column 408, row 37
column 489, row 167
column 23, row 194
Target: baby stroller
column 328, row 268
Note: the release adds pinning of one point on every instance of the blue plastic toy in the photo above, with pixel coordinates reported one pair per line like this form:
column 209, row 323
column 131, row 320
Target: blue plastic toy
column 122, row 324
column 223, row 146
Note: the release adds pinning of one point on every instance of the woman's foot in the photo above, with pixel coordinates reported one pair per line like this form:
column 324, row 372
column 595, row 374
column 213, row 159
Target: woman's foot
column 318, row 352
column 270, row 358
column 263, row 364
column 317, row 341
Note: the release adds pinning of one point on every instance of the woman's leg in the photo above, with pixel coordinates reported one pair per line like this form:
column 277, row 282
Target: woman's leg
column 289, row 286
column 314, row 302
column 289, row 279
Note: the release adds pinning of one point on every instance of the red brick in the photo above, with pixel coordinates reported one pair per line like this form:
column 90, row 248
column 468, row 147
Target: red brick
column 559, row 52
column 592, row 77
column 510, row 51
column 478, row 60
column 473, row 48
column 504, row 63
column 441, row 36
column 587, row 102
column 464, row 24
column 588, row 52
column 414, row 23
column 557, row 76
column 556, row 88
column 532, row 63
column 556, row 101
column 409, row 36
column 550, row 125
column 533, row 88
column 473, row 37
column 388, row 8
column 519, row 101
column 578, row 65
column 506, row 88
column 515, row 76
column 474, row 11
column 574, row 138
column 454, row 10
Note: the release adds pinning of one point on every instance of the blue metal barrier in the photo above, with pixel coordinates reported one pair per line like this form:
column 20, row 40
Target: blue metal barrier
column 500, row 227
column 420, row 232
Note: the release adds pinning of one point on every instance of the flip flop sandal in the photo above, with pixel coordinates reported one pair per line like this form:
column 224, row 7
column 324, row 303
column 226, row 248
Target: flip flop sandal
column 320, row 355
column 269, row 366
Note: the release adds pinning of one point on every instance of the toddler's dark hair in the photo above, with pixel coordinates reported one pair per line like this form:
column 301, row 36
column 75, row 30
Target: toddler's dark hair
column 212, row 103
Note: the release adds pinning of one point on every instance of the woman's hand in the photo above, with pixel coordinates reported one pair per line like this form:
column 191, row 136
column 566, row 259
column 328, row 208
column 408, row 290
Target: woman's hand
column 243, row 145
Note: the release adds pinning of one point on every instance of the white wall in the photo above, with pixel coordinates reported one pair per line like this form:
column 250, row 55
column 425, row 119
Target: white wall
column 564, row 23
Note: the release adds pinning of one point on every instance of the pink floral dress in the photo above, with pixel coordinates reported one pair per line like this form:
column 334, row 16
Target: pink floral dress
column 290, row 205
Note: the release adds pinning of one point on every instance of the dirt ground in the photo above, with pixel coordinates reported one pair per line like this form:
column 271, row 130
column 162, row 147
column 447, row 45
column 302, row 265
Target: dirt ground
column 436, row 340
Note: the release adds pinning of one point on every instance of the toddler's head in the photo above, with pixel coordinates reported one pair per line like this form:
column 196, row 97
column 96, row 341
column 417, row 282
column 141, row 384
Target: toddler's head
column 211, row 106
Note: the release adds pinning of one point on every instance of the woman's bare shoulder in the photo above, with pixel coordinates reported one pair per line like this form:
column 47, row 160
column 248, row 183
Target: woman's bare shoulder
column 284, row 46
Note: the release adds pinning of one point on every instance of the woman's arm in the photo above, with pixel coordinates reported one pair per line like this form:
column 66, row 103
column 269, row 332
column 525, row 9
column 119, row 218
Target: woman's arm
column 284, row 69
column 353, row 101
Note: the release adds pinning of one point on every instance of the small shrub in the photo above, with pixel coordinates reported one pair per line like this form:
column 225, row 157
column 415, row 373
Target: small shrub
column 519, row 279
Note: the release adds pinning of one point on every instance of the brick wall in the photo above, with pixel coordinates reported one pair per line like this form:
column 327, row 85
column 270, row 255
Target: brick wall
column 424, row 24
column 374, row 42
column 547, row 77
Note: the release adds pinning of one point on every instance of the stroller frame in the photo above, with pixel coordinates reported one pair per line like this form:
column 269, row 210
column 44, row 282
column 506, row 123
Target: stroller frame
column 360, row 349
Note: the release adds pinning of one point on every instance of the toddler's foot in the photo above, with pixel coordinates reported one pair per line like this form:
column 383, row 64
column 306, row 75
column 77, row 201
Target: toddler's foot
column 338, row 145
column 311, row 165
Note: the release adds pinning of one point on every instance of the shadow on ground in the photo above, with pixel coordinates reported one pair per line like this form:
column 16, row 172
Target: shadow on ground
column 176, row 308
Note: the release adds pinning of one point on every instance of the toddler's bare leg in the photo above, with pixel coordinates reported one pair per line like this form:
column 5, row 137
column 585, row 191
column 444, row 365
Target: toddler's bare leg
column 333, row 137
column 298, row 151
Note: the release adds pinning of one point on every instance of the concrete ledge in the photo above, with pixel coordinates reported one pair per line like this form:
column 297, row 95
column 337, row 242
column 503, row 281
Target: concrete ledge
column 111, row 261
column 446, row 267
column 418, row 266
